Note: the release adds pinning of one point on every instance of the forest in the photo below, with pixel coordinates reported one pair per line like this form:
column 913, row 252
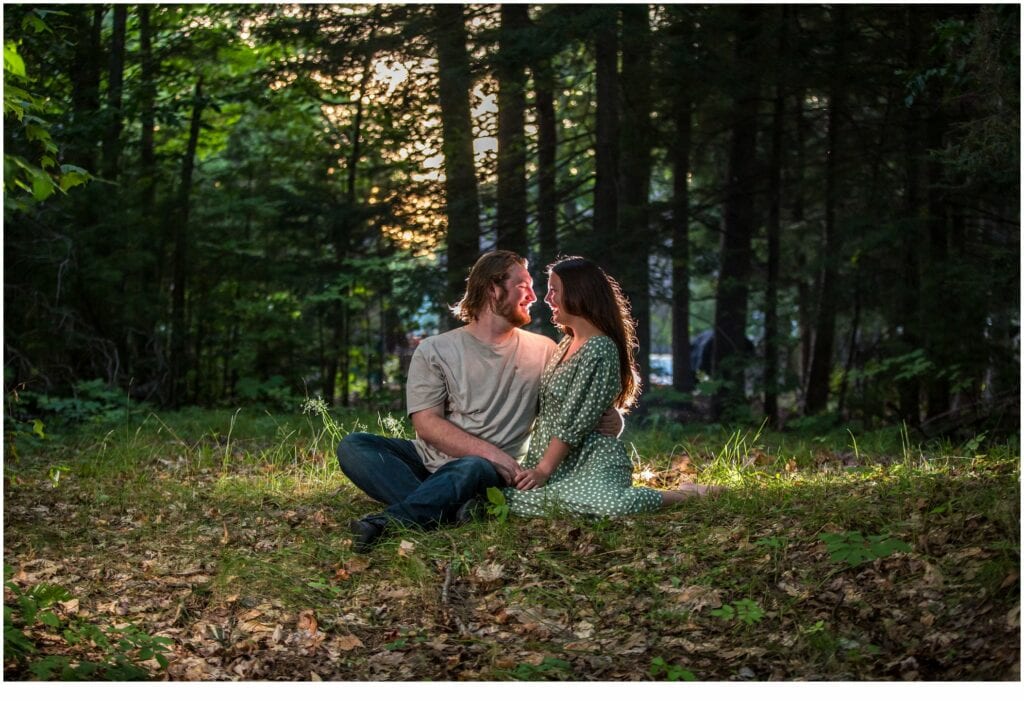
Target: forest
column 227, row 227
column 812, row 209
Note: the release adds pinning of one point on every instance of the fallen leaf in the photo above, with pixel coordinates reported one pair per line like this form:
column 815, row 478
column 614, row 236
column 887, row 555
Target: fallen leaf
column 356, row 564
column 70, row 606
column 584, row 630
column 1013, row 617
column 250, row 614
column 405, row 548
column 694, row 597
column 932, row 577
column 314, row 677
column 347, row 642
column 489, row 572
column 307, row 622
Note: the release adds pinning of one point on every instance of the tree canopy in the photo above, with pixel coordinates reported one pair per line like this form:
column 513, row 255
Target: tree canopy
column 216, row 204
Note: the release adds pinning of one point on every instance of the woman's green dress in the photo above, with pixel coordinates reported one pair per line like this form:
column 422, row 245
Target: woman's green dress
column 596, row 477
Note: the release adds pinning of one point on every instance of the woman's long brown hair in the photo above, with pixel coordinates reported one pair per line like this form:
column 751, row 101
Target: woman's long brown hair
column 589, row 292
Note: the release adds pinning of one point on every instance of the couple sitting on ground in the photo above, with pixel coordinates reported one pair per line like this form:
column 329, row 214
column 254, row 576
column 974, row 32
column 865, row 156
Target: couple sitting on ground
column 473, row 396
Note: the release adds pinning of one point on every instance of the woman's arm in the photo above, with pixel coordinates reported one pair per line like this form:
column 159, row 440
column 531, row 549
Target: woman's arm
column 553, row 456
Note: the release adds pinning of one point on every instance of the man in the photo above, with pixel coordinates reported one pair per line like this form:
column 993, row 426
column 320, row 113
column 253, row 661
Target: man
column 472, row 395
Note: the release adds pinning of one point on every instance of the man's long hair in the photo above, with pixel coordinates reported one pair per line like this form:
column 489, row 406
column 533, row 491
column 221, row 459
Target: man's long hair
column 492, row 268
column 589, row 292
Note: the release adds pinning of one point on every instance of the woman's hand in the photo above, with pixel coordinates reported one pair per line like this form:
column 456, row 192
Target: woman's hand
column 530, row 479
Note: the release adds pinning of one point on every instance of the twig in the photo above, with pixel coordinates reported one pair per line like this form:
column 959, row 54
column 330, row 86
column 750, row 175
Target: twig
column 444, row 600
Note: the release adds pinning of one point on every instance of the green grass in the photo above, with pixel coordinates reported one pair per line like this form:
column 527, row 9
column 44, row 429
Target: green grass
column 224, row 531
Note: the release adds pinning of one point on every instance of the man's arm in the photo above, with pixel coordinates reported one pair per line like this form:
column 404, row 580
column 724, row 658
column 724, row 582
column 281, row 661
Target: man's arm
column 432, row 427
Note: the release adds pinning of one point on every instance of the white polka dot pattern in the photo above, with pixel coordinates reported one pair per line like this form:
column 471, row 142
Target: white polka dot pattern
column 596, row 476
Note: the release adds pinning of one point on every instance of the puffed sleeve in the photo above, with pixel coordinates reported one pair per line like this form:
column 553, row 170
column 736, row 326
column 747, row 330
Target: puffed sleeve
column 594, row 386
column 426, row 386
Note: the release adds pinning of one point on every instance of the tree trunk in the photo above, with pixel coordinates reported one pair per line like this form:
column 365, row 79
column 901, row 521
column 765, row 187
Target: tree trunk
column 606, row 191
column 910, row 388
column 771, row 318
column 735, row 251
column 547, row 194
column 805, row 303
column 85, row 84
column 940, row 338
column 633, row 245
column 851, row 354
column 147, row 116
column 357, row 124
column 115, row 89
column 511, row 125
column 825, row 323
column 682, row 372
column 461, row 205
column 179, row 221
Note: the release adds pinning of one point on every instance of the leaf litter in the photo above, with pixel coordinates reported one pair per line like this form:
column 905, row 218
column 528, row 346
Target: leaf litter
column 231, row 582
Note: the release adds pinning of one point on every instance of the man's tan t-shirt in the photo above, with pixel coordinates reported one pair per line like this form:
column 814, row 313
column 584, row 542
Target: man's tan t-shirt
column 491, row 392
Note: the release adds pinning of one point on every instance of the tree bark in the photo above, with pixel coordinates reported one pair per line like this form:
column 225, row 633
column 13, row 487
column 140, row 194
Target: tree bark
column 85, row 84
column 943, row 306
column 805, row 302
column 771, row 317
column 511, row 74
column 179, row 221
column 547, row 194
column 606, row 190
column 147, row 114
column 115, row 89
column 910, row 388
column 462, row 204
column 735, row 250
column 682, row 372
column 633, row 245
column 825, row 323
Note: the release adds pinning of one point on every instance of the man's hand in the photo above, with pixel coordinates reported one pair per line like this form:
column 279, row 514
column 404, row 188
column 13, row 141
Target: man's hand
column 531, row 479
column 505, row 466
column 611, row 423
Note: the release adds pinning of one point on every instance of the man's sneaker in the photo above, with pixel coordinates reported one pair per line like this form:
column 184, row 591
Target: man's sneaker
column 473, row 510
column 365, row 534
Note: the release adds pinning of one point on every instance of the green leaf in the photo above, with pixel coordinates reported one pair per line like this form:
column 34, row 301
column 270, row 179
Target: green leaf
column 748, row 611
column 34, row 132
column 498, row 506
column 726, row 613
column 12, row 61
column 50, row 618
column 37, row 428
column 680, row 674
column 42, row 185
column 72, row 178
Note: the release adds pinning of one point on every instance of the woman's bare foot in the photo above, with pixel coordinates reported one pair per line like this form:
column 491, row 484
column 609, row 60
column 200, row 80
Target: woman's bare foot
column 689, row 491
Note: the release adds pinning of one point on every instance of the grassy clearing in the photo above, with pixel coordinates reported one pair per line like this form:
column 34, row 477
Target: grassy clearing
column 830, row 557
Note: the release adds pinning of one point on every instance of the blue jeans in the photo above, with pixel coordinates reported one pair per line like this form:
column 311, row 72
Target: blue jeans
column 390, row 471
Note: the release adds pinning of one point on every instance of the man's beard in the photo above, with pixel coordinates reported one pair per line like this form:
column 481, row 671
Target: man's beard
column 512, row 313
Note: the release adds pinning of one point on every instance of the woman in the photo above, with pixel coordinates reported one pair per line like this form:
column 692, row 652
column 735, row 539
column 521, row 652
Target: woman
column 574, row 468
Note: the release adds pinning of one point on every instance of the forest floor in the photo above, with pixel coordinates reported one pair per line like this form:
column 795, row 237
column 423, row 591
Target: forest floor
column 209, row 545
